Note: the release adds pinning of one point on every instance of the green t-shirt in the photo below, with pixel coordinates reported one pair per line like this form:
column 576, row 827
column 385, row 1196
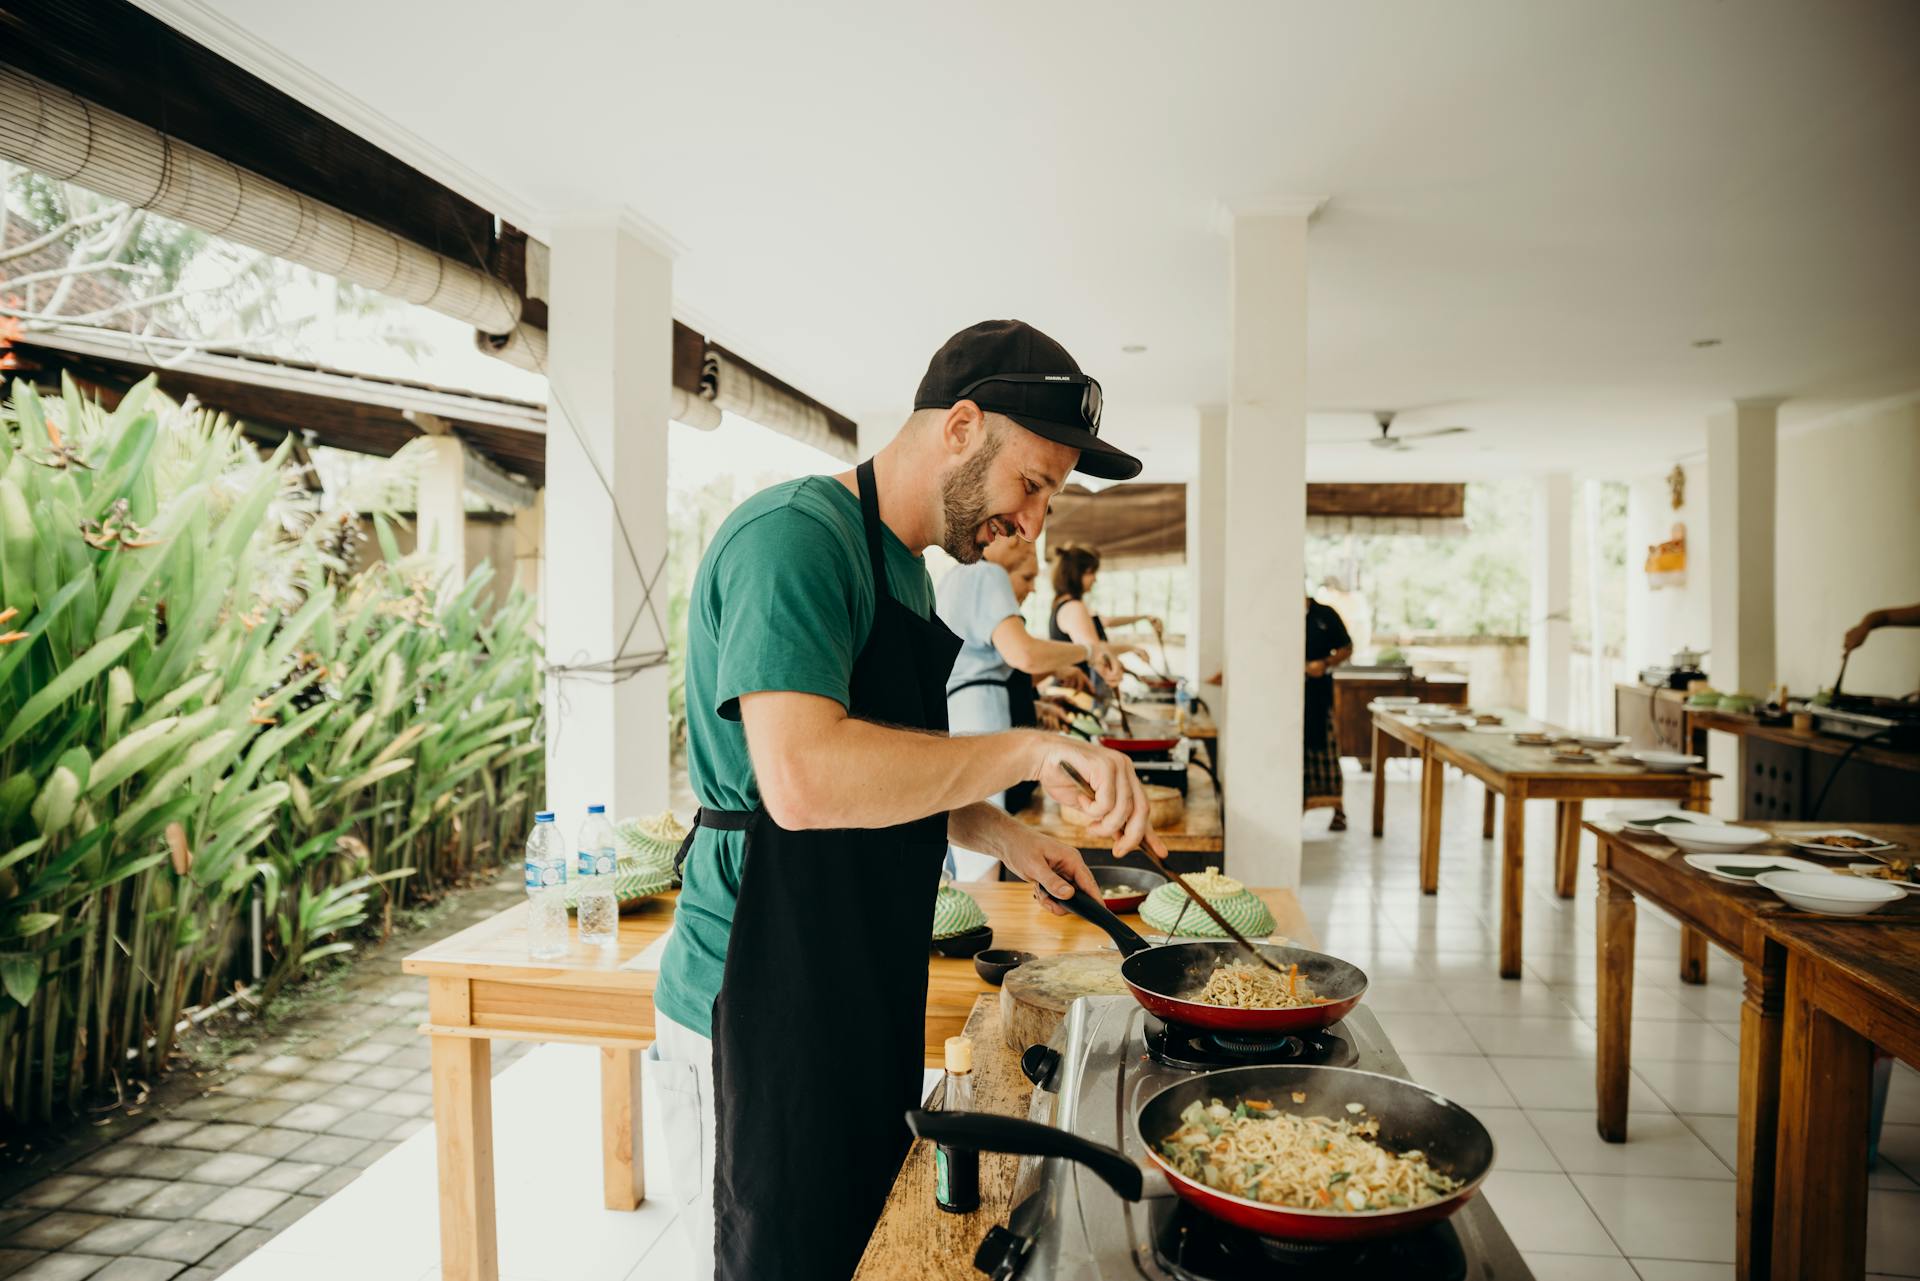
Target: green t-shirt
column 783, row 600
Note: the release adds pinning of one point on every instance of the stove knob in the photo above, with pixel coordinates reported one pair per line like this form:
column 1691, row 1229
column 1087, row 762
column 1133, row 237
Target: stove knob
column 1040, row 1063
column 1000, row 1254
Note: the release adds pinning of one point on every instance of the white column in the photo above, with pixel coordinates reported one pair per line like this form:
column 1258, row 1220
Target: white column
column 1264, row 642
column 440, row 503
column 1741, row 448
column 609, row 371
column 1207, row 556
column 1550, row 638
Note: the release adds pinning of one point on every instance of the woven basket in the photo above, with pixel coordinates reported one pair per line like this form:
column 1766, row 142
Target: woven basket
column 650, row 843
column 955, row 913
column 1239, row 905
column 632, row 886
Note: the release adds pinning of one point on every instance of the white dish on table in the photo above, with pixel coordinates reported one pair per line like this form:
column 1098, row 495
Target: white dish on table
column 1492, row 729
column 1396, row 700
column 1810, row 841
column 1663, row 762
column 1830, row 895
column 1600, row 742
column 1656, row 823
column 1743, row 869
column 1446, row 722
column 1434, row 709
column 1714, row 838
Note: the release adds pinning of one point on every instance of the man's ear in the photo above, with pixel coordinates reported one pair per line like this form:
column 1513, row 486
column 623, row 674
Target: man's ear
column 961, row 427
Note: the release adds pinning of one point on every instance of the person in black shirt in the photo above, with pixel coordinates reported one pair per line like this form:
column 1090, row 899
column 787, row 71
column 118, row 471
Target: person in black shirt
column 1328, row 645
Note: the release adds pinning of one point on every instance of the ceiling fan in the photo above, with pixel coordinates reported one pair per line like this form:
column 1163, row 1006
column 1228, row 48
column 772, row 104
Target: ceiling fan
column 1404, row 441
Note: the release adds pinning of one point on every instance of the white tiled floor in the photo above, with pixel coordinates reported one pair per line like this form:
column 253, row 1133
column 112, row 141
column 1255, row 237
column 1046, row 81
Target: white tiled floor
column 1658, row 1208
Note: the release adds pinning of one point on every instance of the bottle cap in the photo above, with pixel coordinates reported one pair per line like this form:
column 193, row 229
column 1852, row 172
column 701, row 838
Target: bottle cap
column 544, row 816
column 959, row 1055
column 596, row 809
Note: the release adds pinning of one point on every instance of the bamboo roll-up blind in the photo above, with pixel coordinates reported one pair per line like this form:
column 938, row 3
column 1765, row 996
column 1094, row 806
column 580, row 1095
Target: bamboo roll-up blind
column 59, row 134
column 739, row 391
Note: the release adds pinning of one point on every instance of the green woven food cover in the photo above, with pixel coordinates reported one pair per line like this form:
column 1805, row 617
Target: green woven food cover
column 955, row 913
column 1229, row 897
column 650, row 843
column 631, row 885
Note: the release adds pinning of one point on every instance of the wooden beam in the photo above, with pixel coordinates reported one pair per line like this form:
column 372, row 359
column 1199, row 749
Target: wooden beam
column 1445, row 502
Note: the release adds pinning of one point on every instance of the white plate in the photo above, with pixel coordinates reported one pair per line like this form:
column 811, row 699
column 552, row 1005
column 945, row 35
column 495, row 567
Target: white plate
column 1397, row 700
column 1714, row 838
column 1808, row 842
column 1669, row 762
column 1435, row 709
column 1491, row 729
column 1717, row 865
column 1600, row 742
column 1831, row 895
column 1445, row 722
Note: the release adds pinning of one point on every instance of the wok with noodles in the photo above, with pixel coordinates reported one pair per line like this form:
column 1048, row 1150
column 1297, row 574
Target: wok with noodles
column 1173, row 981
column 1294, row 1153
column 1266, row 1153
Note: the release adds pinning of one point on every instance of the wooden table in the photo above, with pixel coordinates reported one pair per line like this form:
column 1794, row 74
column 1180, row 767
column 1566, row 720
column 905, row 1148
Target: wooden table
column 1519, row 774
column 481, row 987
column 1353, row 695
column 1738, row 918
column 1850, row 985
column 915, row 1239
column 1200, row 837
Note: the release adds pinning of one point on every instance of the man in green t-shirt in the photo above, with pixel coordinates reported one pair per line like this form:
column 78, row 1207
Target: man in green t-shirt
column 791, row 764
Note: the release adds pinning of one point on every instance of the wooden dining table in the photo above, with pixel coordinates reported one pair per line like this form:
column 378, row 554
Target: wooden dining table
column 1518, row 773
column 482, row 987
column 1744, row 920
column 1851, row 985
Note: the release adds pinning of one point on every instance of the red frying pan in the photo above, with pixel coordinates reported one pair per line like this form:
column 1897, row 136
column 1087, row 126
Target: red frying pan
column 1456, row 1144
column 1165, row 979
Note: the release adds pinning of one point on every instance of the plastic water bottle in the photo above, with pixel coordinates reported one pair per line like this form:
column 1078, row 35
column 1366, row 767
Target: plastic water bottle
column 546, row 888
column 1182, row 701
column 594, row 901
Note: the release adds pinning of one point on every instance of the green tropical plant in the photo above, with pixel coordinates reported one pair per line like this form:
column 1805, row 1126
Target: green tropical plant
column 192, row 711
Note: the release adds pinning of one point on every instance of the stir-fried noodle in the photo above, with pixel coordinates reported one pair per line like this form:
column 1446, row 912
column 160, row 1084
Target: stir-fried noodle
column 1244, row 986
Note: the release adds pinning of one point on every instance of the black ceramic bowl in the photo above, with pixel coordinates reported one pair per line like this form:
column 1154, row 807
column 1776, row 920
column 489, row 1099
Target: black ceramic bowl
column 996, row 963
column 966, row 944
column 1142, row 880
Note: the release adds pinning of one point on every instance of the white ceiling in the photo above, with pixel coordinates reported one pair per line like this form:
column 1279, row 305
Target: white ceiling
column 1533, row 208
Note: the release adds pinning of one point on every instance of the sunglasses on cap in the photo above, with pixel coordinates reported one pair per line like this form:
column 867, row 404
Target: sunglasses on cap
column 1089, row 392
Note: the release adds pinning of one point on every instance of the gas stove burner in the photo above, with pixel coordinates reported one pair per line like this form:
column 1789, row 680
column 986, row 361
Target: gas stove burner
column 1194, row 1247
column 1197, row 1050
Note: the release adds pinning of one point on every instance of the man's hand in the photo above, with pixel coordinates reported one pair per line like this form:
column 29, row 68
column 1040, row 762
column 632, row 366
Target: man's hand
column 1119, row 807
column 1858, row 633
column 1318, row 667
column 1051, row 715
column 1052, row 867
column 1073, row 678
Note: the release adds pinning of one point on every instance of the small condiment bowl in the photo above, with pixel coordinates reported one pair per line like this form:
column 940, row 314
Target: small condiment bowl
column 996, row 963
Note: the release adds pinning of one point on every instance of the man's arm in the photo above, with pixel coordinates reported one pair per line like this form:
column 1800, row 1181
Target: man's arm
column 1897, row 616
column 818, row 767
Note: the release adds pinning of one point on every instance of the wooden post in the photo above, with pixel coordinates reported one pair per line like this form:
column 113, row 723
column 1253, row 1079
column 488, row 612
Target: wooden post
column 1617, row 914
column 463, row 1138
column 1820, row 1198
column 1566, row 849
column 1486, row 819
column 1513, row 855
column 1760, row 1033
column 1693, row 955
column 1433, row 787
column 1379, row 782
column 623, row 1169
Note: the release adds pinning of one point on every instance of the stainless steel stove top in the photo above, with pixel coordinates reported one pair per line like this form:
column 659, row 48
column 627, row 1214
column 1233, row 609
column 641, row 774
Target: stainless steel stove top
column 1067, row 1225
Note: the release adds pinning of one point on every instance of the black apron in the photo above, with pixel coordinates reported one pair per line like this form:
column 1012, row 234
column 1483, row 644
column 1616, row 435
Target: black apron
column 1059, row 633
column 1022, row 699
column 820, row 1022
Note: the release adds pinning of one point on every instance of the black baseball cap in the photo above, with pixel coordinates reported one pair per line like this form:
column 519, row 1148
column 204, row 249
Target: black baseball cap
column 1009, row 367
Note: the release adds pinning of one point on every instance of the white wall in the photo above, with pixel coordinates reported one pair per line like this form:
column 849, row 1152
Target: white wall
column 1846, row 540
column 1670, row 618
column 1849, row 542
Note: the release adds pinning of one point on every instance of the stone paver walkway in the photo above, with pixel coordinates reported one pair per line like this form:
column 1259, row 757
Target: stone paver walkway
column 328, row 1090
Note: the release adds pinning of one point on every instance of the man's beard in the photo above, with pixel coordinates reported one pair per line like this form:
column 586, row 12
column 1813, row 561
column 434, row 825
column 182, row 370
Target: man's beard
column 964, row 497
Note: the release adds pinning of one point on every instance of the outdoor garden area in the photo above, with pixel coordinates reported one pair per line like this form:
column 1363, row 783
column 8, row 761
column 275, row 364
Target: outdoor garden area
column 231, row 753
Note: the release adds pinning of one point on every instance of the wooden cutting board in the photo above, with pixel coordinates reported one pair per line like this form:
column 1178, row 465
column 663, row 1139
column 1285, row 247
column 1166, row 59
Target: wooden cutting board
column 1035, row 997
